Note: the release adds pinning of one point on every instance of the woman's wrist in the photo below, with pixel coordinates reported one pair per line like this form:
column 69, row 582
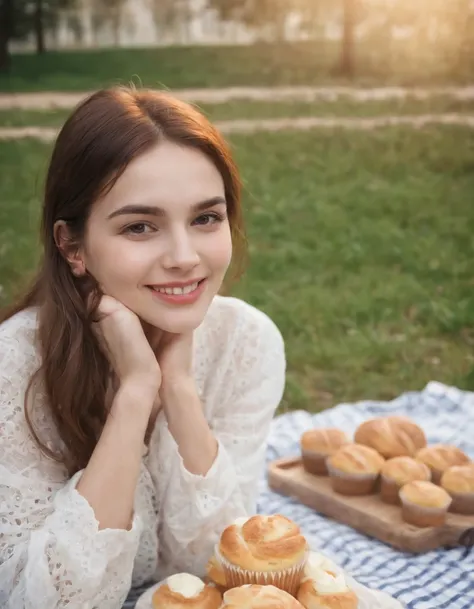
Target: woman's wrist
column 178, row 391
column 135, row 395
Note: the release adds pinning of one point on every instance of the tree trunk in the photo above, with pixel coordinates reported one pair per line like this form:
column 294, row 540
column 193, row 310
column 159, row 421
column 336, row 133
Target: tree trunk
column 6, row 31
column 347, row 63
column 39, row 27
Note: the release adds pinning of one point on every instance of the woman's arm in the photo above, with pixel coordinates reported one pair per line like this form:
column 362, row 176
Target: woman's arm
column 109, row 481
column 69, row 542
column 201, row 489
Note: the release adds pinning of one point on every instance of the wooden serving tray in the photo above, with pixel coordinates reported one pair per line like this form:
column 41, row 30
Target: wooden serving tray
column 368, row 514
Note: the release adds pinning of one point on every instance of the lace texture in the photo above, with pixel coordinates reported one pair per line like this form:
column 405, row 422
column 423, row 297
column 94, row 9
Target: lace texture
column 52, row 553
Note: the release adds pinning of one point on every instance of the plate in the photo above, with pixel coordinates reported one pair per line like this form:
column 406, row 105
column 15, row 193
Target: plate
column 368, row 598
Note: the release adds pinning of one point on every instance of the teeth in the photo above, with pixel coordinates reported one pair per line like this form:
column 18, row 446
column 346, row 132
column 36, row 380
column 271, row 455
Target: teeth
column 178, row 291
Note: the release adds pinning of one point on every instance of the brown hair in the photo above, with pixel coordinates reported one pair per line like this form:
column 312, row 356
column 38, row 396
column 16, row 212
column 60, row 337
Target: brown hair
column 101, row 137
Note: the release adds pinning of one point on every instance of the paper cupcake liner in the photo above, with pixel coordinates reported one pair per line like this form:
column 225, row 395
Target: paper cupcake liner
column 314, row 462
column 389, row 491
column 352, row 484
column 463, row 503
column 422, row 516
column 288, row 580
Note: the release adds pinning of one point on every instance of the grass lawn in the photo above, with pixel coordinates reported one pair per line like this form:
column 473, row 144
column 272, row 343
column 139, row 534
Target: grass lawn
column 220, row 66
column 254, row 110
column 361, row 251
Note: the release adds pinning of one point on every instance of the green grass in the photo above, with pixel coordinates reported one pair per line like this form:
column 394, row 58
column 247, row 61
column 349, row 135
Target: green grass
column 361, row 251
column 201, row 66
column 256, row 110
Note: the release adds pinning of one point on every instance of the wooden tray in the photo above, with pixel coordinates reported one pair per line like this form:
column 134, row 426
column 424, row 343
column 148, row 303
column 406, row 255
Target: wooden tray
column 368, row 514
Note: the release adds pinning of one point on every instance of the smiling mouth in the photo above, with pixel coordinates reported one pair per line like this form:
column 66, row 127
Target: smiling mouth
column 178, row 291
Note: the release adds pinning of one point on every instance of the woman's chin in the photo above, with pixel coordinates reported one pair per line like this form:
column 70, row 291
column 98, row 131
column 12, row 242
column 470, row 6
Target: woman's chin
column 175, row 323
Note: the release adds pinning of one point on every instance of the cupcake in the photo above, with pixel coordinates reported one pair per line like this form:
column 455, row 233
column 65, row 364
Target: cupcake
column 263, row 550
column 324, row 586
column 399, row 471
column 440, row 457
column 458, row 481
column 391, row 436
column 259, row 597
column 185, row 591
column 424, row 504
column 317, row 445
column 354, row 469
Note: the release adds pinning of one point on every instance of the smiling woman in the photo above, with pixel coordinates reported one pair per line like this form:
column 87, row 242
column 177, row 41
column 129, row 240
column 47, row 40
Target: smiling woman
column 137, row 399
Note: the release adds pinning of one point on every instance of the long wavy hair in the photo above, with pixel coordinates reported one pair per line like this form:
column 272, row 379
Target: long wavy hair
column 98, row 141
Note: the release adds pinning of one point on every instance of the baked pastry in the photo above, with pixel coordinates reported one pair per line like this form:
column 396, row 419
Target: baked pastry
column 399, row 471
column 259, row 597
column 263, row 550
column 354, row 469
column 317, row 561
column 391, row 436
column 324, row 585
column 317, row 445
column 185, row 591
column 424, row 504
column 458, row 481
column 215, row 573
column 440, row 457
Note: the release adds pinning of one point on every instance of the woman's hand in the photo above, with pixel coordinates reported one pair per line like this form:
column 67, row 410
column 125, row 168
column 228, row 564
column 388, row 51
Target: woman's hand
column 175, row 358
column 124, row 342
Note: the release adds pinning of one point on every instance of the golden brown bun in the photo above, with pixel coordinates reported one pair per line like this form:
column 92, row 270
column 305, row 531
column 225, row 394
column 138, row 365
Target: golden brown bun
column 324, row 441
column 167, row 596
column 309, row 597
column 391, row 436
column 357, row 459
column 440, row 457
column 263, row 543
column 405, row 469
column 425, row 494
column 259, row 597
column 215, row 573
column 459, row 479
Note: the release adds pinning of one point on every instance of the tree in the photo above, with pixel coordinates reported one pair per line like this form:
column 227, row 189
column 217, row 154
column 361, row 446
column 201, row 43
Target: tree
column 172, row 16
column 349, row 20
column 6, row 32
column 267, row 17
column 19, row 18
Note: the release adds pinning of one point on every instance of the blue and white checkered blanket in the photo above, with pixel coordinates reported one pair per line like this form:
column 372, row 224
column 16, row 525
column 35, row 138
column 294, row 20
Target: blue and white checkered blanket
column 437, row 580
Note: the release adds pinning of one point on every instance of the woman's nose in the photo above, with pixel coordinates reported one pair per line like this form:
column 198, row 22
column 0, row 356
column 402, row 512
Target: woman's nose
column 181, row 253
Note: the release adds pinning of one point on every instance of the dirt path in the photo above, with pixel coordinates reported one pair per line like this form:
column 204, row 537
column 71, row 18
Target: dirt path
column 58, row 99
column 299, row 124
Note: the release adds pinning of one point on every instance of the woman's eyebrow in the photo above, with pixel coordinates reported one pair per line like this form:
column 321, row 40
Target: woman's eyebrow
column 152, row 210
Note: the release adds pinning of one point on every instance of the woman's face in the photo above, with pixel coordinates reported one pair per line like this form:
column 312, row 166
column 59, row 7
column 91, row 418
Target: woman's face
column 160, row 241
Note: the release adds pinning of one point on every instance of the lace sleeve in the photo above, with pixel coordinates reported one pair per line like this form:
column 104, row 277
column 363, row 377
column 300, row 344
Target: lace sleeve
column 52, row 554
column 197, row 508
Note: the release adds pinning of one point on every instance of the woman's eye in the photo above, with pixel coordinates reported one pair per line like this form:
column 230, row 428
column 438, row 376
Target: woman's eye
column 139, row 228
column 207, row 219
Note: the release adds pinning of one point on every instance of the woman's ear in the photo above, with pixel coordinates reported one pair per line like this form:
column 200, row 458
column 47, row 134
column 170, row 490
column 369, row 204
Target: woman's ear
column 70, row 249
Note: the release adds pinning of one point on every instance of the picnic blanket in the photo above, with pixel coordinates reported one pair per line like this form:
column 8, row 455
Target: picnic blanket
column 443, row 579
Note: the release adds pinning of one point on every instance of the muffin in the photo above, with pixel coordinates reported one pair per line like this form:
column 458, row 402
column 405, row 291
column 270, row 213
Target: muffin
column 263, row 550
column 399, row 471
column 259, row 597
column 321, row 589
column 317, row 445
column 458, row 481
column 185, row 591
column 440, row 457
column 424, row 504
column 354, row 469
column 391, row 436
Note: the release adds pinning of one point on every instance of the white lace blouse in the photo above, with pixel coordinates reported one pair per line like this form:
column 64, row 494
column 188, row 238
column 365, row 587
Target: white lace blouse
column 52, row 554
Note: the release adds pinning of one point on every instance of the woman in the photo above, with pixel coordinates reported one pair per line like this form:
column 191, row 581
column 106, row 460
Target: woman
column 134, row 401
